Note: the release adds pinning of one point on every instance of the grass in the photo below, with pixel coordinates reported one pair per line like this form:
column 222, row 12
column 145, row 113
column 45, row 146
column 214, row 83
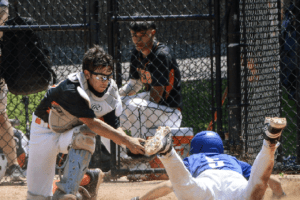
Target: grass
column 16, row 107
column 197, row 103
column 289, row 136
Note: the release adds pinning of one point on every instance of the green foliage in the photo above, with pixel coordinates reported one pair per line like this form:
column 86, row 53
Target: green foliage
column 281, row 174
column 128, row 132
column 289, row 135
column 197, row 104
column 16, row 107
column 196, row 100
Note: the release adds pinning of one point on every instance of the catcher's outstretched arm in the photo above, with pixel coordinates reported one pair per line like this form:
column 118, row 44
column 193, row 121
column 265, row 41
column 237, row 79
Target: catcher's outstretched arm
column 162, row 189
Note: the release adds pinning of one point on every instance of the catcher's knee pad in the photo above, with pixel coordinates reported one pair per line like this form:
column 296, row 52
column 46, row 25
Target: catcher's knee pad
column 79, row 156
column 31, row 196
column 84, row 138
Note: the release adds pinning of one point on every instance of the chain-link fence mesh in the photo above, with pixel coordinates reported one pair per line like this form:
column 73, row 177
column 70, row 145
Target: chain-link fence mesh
column 289, row 76
column 64, row 47
column 190, row 43
column 260, row 74
column 269, row 73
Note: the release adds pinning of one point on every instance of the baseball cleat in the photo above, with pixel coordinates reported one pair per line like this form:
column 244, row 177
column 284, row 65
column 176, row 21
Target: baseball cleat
column 160, row 143
column 273, row 128
column 60, row 195
column 92, row 187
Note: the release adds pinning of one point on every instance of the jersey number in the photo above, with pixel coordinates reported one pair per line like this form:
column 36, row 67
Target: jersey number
column 214, row 163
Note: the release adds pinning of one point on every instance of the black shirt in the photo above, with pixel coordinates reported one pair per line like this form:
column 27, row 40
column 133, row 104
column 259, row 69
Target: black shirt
column 159, row 68
column 66, row 95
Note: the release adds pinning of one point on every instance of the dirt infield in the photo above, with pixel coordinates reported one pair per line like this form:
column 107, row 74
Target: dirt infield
column 124, row 190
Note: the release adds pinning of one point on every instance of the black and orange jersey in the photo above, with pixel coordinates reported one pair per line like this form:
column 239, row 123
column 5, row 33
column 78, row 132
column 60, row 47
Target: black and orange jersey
column 159, row 68
column 66, row 95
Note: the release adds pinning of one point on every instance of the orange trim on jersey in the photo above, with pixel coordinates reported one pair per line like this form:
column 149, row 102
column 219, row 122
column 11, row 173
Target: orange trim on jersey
column 101, row 118
column 54, row 103
column 38, row 120
column 171, row 81
column 55, row 85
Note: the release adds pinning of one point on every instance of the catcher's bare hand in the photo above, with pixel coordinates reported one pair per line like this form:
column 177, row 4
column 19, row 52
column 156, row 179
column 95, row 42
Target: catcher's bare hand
column 135, row 145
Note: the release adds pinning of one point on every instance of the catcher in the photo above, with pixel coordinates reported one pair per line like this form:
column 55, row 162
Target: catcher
column 67, row 120
column 210, row 174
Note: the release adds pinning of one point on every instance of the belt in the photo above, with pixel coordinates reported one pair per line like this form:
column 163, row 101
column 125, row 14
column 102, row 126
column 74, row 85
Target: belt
column 41, row 122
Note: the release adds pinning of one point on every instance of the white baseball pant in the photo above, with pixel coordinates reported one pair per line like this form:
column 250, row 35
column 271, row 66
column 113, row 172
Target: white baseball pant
column 141, row 114
column 220, row 184
column 44, row 145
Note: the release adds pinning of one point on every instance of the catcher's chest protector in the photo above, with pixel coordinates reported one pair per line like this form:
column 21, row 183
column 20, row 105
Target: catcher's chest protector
column 25, row 64
column 110, row 101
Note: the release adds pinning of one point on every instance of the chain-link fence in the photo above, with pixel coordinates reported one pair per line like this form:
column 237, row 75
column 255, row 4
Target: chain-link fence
column 187, row 66
column 269, row 76
column 68, row 28
column 260, row 73
column 289, row 84
column 185, row 34
column 32, row 59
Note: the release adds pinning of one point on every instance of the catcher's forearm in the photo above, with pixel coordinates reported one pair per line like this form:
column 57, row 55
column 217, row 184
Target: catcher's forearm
column 131, row 88
column 103, row 129
column 160, row 190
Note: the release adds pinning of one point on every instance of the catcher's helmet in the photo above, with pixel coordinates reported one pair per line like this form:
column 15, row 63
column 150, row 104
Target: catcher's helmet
column 3, row 163
column 206, row 142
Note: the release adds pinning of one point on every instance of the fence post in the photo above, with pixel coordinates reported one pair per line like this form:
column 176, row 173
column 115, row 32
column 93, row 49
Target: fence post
column 234, row 76
column 281, row 43
column 111, row 37
column 94, row 22
column 297, row 12
column 245, row 77
column 212, row 92
column 218, row 65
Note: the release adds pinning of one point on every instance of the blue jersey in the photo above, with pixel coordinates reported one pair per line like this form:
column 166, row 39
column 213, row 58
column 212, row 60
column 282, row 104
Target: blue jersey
column 197, row 163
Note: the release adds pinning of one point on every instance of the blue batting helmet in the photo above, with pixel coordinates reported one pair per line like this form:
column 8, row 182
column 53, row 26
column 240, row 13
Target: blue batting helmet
column 206, row 142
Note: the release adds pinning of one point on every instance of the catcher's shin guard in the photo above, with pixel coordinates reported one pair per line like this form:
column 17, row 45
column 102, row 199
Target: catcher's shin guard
column 83, row 146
